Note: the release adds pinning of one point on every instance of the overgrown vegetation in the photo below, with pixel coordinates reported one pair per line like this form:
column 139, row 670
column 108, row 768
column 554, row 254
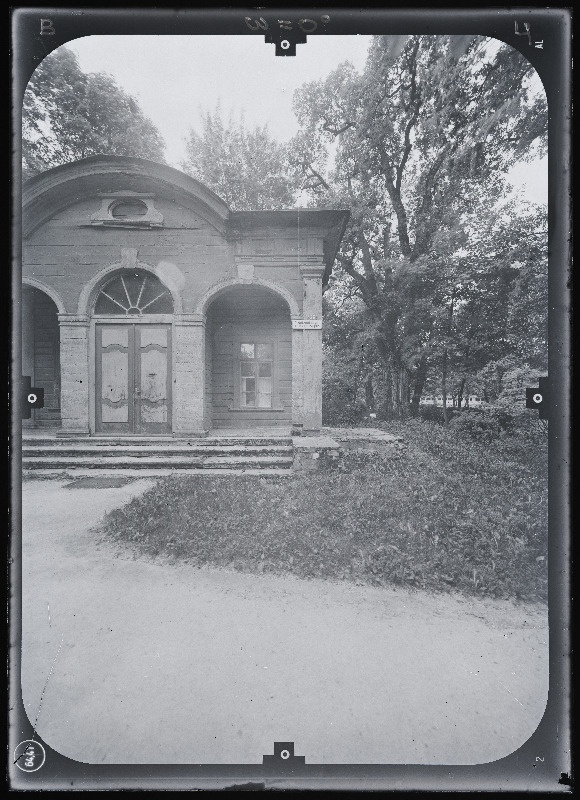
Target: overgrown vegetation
column 444, row 512
column 69, row 114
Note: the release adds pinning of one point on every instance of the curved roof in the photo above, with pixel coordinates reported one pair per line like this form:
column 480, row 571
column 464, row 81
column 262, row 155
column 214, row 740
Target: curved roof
column 57, row 188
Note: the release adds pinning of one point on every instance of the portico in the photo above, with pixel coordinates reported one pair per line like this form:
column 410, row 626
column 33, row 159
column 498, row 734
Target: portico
column 169, row 314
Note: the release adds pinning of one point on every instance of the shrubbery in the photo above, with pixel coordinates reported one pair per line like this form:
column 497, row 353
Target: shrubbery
column 445, row 510
column 338, row 407
column 484, row 426
column 431, row 413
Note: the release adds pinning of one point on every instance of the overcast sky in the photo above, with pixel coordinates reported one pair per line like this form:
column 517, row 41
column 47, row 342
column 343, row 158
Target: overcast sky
column 174, row 76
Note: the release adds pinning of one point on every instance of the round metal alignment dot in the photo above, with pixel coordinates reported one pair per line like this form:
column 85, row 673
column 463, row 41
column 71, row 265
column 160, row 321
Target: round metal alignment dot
column 538, row 398
column 284, row 44
column 284, row 754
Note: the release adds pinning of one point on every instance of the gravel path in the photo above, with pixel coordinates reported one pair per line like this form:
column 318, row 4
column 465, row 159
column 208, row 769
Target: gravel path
column 154, row 662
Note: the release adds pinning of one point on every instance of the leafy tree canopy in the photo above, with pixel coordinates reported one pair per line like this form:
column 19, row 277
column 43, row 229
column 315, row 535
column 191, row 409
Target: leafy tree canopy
column 69, row 114
column 245, row 166
column 418, row 147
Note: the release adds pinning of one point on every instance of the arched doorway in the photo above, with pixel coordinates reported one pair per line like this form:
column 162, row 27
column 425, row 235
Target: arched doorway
column 248, row 358
column 41, row 354
column 132, row 316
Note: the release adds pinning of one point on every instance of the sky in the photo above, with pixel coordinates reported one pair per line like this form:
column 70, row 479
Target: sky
column 173, row 77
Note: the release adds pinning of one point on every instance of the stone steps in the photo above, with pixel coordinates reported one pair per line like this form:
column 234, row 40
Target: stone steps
column 126, row 441
column 195, row 451
column 235, row 454
column 148, row 472
column 161, row 461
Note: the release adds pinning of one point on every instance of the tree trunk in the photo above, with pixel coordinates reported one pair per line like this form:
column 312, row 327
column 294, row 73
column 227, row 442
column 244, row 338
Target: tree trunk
column 369, row 394
column 444, row 375
column 396, row 398
column 444, row 387
column 401, row 392
column 460, row 394
column 357, row 378
column 498, row 378
column 420, row 378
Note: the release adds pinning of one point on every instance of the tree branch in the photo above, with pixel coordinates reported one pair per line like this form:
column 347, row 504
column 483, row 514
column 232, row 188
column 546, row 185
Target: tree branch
column 401, row 214
column 415, row 102
column 335, row 131
column 367, row 263
column 318, row 176
column 360, row 281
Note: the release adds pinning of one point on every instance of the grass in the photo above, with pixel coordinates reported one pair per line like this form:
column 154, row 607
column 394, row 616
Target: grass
column 442, row 513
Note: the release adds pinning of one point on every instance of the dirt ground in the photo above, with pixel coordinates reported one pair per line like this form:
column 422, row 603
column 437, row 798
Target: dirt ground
column 129, row 661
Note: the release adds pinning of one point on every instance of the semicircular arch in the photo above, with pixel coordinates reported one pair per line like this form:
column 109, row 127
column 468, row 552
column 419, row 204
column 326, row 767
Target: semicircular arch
column 54, row 296
column 90, row 291
column 222, row 286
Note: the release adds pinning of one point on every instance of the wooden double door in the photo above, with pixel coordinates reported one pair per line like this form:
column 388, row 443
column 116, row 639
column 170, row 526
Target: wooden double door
column 133, row 378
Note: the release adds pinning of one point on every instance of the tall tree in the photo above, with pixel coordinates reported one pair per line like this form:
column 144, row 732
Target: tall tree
column 423, row 137
column 504, row 313
column 69, row 114
column 246, row 167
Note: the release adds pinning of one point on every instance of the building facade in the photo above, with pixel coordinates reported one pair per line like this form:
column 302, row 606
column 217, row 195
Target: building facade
column 148, row 307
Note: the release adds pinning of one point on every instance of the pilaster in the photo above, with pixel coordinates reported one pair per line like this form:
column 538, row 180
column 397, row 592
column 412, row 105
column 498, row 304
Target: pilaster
column 74, row 372
column 190, row 416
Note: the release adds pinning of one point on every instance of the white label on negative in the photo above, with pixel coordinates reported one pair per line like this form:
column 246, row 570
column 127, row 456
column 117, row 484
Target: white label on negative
column 307, row 324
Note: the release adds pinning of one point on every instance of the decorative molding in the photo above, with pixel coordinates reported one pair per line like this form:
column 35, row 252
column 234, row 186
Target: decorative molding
column 312, row 270
column 245, row 271
column 189, row 319
column 56, row 189
column 129, row 257
column 289, row 261
column 74, row 320
column 104, row 216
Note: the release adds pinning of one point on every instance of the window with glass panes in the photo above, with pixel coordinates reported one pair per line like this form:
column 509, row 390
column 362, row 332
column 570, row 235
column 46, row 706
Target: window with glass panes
column 256, row 371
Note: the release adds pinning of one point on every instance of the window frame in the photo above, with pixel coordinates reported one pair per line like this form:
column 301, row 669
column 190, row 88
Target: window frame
column 120, row 276
column 237, row 374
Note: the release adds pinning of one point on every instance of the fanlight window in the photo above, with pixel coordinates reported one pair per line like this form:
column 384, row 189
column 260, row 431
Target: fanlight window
column 134, row 292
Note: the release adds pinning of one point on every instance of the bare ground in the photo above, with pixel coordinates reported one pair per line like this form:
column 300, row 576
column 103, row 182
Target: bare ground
column 154, row 662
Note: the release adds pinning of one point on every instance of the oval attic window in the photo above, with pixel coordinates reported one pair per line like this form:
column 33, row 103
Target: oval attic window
column 129, row 209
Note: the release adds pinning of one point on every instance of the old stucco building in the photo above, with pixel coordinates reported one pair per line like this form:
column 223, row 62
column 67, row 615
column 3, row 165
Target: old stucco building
column 149, row 307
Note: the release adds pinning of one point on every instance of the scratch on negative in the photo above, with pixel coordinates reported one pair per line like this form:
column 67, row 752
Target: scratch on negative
column 46, row 683
column 513, row 695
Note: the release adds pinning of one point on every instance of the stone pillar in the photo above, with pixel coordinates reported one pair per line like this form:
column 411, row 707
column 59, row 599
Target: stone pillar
column 190, row 416
column 74, row 374
column 297, row 377
column 312, row 349
column 28, row 343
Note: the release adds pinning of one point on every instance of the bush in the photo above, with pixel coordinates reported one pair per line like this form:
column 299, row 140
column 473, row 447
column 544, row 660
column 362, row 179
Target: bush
column 338, row 409
column 435, row 414
column 480, row 427
column 442, row 512
column 484, row 426
column 504, row 418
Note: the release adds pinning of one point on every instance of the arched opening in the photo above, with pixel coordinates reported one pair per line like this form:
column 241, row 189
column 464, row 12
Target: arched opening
column 41, row 354
column 133, row 292
column 133, row 371
column 248, row 358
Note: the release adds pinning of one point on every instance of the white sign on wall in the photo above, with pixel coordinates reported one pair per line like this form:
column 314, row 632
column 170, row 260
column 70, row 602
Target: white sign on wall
column 307, row 324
